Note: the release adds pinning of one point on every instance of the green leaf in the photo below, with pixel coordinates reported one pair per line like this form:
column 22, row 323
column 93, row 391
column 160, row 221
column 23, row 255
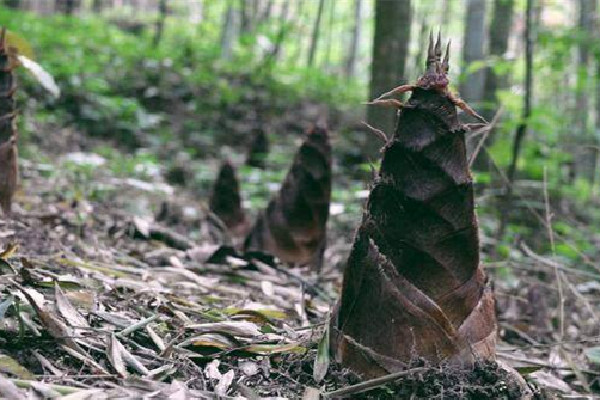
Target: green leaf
column 270, row 349
column 322, row 360
column 527, row 370
column 63, row 284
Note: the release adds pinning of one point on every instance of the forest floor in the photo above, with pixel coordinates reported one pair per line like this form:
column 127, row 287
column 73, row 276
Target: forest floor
column 122, row 287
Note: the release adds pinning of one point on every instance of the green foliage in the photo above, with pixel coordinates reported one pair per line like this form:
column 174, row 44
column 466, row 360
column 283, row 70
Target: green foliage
column 116, row 84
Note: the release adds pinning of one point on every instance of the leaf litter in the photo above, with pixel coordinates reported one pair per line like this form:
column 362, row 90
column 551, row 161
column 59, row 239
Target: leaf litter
column 99, row 299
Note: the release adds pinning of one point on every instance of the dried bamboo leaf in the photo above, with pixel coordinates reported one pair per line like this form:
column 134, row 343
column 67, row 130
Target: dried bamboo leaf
column 8, row 390
column 58, row 329
column 212, row 340
column 114, row 353
column 235, row 328
column 157, row 340
column 45, row 390
column 66, row 309
column 311, row 393
column 266, row 349
column 133, row 362
column 225, row 382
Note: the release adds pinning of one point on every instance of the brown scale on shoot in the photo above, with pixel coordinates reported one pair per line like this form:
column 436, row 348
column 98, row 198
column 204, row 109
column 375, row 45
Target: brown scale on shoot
column 434, row 78
column 8, row 133
column 413, row 286
column 292, row 227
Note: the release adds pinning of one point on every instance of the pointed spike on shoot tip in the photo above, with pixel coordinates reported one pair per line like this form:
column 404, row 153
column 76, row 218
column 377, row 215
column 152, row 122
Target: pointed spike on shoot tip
column 438, row 47
column 430, row 53
column 446, row 62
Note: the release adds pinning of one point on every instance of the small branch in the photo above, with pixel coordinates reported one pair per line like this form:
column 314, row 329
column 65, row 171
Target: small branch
column 485, row 131
column 378, row 132
column 136, row 326
column 370, row 384
column 557, row 273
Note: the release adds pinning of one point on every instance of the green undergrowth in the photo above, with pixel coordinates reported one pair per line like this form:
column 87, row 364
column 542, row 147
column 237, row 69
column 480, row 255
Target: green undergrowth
column 117, row 84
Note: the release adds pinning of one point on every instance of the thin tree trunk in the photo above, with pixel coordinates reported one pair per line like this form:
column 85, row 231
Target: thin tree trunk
column 255, row 9
column 266, row 14
column 283, row 28
column 506, row 206
column 12, row 4
column 228, row 32
column 315, row 34
column 421, row 40
column 390, row 50
column 522, row 128
column 297, row 16
column 160, row 22
column 446, row 9
column 471, row 89
column 499, row 34
column 595, row 142
column 329, row 39
column 196, row 11
column 246, row 24
column 350, row 69
column 97, row 6
column 66, row 6
column 585, row 158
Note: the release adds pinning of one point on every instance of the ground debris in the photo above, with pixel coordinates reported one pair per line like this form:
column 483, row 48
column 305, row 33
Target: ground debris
column 127, row 315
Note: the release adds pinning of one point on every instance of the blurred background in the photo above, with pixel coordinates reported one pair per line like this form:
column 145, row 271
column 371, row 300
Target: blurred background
column 162, row 91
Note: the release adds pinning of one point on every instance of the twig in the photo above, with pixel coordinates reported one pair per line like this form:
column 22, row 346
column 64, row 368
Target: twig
column 378, row 132
column 136, row 326
column 561, row 300
column 557, row 273
column 486, row 131
column 372, row 383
